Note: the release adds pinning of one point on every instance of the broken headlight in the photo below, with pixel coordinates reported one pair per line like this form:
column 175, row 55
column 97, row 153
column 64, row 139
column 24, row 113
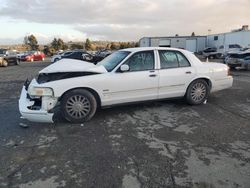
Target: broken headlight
column 40, row 91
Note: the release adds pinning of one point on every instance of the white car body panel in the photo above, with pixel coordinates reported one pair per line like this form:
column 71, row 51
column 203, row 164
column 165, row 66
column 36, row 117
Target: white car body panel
column 174, row 82
column 54, row 57
column 116, row 88
column 41, row 115
column 132, row 87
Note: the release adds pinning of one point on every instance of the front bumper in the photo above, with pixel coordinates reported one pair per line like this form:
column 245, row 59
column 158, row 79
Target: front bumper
column 42, row 116
column 233, row 63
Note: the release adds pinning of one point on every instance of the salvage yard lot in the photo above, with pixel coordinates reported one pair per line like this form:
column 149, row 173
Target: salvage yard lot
column 157, row 144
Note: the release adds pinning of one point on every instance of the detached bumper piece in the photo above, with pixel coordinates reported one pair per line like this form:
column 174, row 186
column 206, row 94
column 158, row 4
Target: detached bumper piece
column 32, row 112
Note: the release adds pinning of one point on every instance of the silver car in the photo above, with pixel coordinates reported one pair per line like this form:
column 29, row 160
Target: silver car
column 239, row 60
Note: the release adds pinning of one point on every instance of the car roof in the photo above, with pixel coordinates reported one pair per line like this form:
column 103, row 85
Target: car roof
column 239, row 52
column 150, row 48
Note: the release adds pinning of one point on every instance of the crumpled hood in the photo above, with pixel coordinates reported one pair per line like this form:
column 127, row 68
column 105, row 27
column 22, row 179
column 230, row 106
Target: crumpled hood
column 71, row 65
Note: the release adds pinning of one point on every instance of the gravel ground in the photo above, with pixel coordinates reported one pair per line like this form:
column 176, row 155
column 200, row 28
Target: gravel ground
column 157, row 144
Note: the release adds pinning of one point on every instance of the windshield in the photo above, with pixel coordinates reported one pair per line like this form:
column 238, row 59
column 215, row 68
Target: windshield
column 66, row 53
column 113, row 60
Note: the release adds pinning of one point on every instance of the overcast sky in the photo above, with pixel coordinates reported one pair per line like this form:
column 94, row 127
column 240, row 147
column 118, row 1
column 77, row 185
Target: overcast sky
column 120, row 20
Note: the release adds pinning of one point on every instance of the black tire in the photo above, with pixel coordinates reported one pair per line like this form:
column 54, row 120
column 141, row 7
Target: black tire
column 56, row 60
column 17, row 62
column 78, row 105
column 218, row 56
column 197, row 92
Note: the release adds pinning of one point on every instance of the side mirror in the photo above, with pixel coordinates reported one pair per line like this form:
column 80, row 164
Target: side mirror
column 124, row 68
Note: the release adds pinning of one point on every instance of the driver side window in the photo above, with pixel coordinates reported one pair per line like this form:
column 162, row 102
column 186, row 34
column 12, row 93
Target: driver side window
column 141, row 61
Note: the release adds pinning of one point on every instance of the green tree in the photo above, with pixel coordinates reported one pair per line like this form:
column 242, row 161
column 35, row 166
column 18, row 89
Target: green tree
column 193, row 34
column 60, row 44
column 65, row 47
column 75, row 46
column 88, row 45
column 122, row 45
column 31, row 41
column 108, row 46
column 113, row 46
column 54, row 44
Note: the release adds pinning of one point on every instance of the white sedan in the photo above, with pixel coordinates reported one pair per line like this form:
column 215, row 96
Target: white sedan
column 131, row 75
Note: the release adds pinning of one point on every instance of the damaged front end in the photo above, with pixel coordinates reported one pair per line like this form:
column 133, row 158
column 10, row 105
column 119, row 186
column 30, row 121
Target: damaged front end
column 40, row 97
column 36, row 103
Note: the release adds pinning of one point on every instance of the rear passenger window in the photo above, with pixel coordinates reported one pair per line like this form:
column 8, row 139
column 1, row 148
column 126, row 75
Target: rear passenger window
column 172, row 59
column 168, row 59
column 183, row 62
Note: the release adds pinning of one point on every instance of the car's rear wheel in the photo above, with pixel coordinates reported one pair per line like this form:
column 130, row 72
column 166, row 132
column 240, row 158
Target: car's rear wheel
column 78, row 105
column 197, row 92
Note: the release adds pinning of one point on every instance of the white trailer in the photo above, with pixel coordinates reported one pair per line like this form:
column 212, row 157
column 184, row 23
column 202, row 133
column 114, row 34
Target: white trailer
column 191, row 43
column 224, row 40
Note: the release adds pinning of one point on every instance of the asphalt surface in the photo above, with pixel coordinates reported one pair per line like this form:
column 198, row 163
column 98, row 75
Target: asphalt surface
column 157, row 144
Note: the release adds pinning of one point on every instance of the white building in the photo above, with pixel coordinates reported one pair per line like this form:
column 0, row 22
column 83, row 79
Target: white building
column 191, row 43
column 224, row 40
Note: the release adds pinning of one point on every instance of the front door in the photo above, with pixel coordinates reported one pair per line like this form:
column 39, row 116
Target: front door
column 139, row 83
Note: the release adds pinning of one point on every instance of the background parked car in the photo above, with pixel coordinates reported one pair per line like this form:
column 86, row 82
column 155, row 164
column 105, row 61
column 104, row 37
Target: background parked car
column 78, row 55
column 32, row 56
column 100, row 55
column 8, row 57
column 239, row 59
column 59, row 55
column 211, row 53
column 224, row 50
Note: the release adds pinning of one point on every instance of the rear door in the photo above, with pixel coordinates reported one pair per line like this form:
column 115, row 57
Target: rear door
column 175, row 74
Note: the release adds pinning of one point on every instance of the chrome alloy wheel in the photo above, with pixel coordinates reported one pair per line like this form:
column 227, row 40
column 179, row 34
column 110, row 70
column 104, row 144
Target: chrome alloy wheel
column 198, row 92
column 78, row 106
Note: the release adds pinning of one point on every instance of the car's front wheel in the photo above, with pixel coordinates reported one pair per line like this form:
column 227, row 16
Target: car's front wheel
column 197, row 92
column 78, row 105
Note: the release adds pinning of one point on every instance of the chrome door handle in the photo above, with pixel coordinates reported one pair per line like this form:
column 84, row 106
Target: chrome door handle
column 152, row 75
